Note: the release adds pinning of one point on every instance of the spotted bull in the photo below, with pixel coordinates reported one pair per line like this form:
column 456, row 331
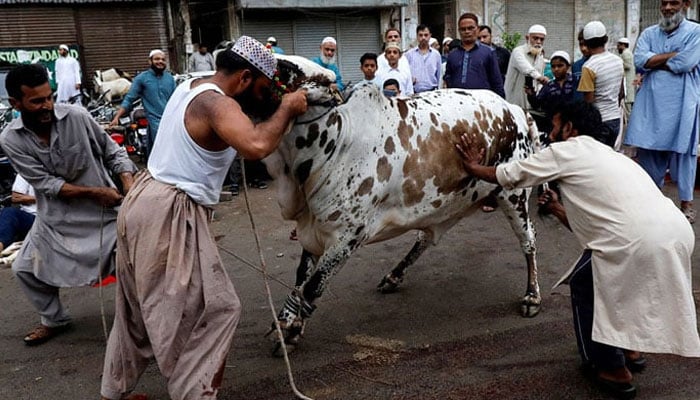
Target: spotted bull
column 374, row 168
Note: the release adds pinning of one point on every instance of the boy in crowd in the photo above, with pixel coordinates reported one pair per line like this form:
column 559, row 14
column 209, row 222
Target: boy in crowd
column 558, row 91
column 392, row 52
column 368, row 66
column 391, row 88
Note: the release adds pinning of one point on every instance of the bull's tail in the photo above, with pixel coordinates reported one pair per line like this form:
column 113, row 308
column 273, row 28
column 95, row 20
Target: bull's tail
column 534, row 132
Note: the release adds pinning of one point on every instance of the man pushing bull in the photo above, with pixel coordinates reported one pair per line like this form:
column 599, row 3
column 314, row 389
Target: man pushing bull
column 174, row 300
column 631, row 289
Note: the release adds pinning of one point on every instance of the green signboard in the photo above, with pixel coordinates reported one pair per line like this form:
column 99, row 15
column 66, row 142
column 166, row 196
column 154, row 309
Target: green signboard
column 43, row 55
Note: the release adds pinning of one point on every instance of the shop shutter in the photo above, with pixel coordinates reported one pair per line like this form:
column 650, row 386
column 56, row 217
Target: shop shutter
column 121, row 37
column 555, row 15
column 301, row 34
column 649, row 14
column 34, row 26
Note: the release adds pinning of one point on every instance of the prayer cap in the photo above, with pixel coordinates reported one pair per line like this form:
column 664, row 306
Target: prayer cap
column 256, row 54
column 154, row 52
column 537, row 28
column 64, row 47
column 624, row 40
column 328, row 39
column 272, row 39
column 563, row 55
column 594, row 29
column 446, row 40
column 392, row 45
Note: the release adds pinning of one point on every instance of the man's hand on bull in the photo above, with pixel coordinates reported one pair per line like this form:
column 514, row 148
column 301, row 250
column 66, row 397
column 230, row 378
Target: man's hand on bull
column 295, row 102
column 472, row 154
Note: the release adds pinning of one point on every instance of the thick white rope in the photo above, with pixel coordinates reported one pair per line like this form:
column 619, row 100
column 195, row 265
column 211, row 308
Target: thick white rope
column 263, row 269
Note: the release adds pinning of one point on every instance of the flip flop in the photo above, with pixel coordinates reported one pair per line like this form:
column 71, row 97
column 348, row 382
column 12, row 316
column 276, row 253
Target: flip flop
column 43, row 333
column 689, row 213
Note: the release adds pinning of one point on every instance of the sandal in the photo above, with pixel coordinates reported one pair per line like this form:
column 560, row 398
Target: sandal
column 43, row 333
column 689, row 213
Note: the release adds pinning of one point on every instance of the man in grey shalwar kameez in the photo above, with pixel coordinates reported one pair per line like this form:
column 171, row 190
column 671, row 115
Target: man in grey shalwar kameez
column 65, row 155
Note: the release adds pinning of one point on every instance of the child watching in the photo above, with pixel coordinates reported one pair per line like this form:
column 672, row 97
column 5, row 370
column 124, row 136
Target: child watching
column 557, row 91
column 391, row 88
column 368, row 66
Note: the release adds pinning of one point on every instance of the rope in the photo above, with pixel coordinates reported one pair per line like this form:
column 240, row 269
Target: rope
column 99, row 275
column 266, row 278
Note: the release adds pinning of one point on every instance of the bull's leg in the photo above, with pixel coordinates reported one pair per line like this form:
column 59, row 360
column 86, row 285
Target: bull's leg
column 299, row 304
column 392, row 280
column 515, row 207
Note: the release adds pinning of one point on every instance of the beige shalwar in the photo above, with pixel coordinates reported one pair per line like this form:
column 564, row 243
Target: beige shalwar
column 640, row 240
column 174, row 299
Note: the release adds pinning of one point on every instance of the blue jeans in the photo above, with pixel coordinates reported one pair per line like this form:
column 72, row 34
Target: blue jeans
column 14, row 225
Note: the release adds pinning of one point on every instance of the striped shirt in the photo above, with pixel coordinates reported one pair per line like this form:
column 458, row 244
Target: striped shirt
column 602, row 74
column 425, row 69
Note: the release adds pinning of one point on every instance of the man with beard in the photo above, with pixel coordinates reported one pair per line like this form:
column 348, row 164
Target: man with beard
column 154, row 87
column 327, row 59
column 664, row 121
column 68, row 159
column 526, row 61
column 631, row 289
column 174, row 300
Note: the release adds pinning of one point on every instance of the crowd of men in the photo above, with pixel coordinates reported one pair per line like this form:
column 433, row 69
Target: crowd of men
column 631, row 266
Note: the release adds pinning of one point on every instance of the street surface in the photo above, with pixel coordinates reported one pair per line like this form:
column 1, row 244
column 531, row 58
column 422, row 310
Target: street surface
column 453, row 331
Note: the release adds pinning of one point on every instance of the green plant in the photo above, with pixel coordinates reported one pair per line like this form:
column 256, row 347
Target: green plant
column 510, row 40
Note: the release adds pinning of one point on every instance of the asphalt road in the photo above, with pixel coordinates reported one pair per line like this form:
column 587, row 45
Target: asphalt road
column 452, row 331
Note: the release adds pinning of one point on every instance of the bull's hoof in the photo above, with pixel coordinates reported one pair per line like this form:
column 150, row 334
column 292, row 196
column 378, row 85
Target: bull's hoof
column 389, row 284
column 292, row 335
column 530, row 306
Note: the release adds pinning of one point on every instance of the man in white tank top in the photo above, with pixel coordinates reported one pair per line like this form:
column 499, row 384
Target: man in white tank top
column 167, row 246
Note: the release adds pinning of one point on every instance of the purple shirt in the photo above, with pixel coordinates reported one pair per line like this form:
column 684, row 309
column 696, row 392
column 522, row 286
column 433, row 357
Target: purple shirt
column 474, row 69
column 425, row 69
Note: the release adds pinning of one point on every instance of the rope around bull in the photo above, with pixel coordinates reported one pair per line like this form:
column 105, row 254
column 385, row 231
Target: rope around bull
column 266, row 280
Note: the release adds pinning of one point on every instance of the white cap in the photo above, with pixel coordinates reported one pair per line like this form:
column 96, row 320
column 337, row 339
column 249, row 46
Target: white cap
column 64, row 47
column 272, row 39
column 537, row 28
column 328, row 39
column 594, row 29
column 256, row 54
column 446, row 40
column 154, row 52
column 562, row 54
column 432, row 41
column 624, row 40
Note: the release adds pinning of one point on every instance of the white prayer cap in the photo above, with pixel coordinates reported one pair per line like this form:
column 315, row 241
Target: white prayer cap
column 446, row 40
column 537, row 28
column 562, row 54
column 154, row 52
column 393, row 45
column 272, row 39
column 256, row 54
column 432, row 41
column 624, row 40
column 64, row 47
column 593, row 29
column 328, row 39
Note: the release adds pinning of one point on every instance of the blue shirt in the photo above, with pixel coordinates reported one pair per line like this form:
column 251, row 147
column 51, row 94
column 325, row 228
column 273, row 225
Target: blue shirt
column 425, row 69
column 474, row 69
column 665, row 112
column 334, row 68
column 552, row 94
column 154, row 91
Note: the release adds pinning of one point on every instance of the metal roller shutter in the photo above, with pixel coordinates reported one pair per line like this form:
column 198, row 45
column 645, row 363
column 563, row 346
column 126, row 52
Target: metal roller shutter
column 649, row 14
column 33, row 26
column 556, row 15
column 301, row 34
column 121, row 37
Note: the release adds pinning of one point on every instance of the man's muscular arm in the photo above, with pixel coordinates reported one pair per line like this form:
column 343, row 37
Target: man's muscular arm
column 659, row 61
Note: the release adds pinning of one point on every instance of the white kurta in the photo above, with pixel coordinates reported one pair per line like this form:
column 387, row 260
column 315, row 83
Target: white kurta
column 67, row 71
column 641, row 244
column 522, row 64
